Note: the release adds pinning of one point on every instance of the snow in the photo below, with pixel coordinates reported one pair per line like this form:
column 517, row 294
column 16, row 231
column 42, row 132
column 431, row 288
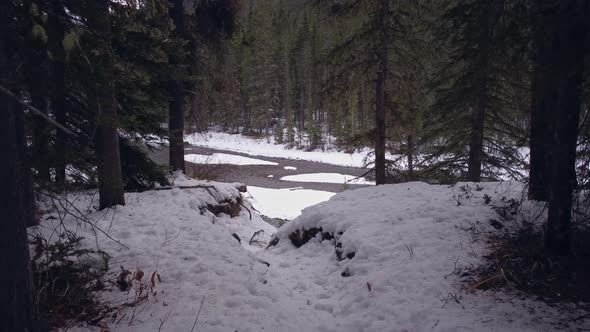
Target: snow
column 193, row 251
column 359, row 158
column 285, row 203
column 326, row 178
column 290, row 168
column 266, row 147
column 270, row 176
column 223, row 158
column 407, row 239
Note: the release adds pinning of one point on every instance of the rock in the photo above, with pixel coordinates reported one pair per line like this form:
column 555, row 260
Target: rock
column 301, row 237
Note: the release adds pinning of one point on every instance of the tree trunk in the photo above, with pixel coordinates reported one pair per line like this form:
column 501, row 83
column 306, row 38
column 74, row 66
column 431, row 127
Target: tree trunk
column 476, row 144
column 410, row 156
column 478, row 110
column 102, row 101
column 56, row 32
column 380, row 163
column 177, row 105
column 559, row 68
column 26, row 176
column 18, row 311
column 37, row 70
column 539, row 171
column 41, row 135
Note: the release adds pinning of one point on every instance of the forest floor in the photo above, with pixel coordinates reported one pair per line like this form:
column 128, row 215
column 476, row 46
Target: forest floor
column 389, row 258
column 258, row 175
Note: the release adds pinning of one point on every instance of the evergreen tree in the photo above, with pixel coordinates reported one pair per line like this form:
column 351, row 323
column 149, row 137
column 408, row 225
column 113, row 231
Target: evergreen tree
column 473, row 87
column 103, row 104
column 18, row 309
column 177, row 104
column 56, row 32
column 561, row 33
column 37, row 67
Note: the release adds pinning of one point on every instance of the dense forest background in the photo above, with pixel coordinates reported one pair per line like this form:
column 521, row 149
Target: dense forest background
column 444, row 88
column 459, row 78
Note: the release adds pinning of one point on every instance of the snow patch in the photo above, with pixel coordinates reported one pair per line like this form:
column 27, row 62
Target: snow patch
column 290, row 168
column 267, row 147
column 223, row 158
column 285, row 203
column 327, row 178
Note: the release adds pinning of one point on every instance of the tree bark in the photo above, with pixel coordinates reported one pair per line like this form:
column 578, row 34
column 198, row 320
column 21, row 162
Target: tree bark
column 26, row 176
column 478, row 110
column 177, row 105
column 18, row 311
column 41, row 136
column 56, row 33
column 410, row 156
column 540, row 124
column 380, row 163
column 476, row 144
column 102, row 101
column 560, row 64
column 37, row 70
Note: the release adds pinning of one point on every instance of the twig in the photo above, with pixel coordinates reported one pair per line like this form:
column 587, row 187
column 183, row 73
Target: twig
column 253, row 235
column 244, row 206
column 179, row 187
column 163, row 320
column 485, row 281
column 36, row 111
column 198, row 313
column 255, row 210
column 84, row 219
column 362, row 175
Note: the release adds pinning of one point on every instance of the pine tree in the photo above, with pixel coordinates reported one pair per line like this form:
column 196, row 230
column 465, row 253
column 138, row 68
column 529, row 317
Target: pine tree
column 374, row 39
column 177, row 105
column 474, row 87
column 102, row 102
column 37, row 67
column 56, row 30
column 561, row 39
column 18, row 311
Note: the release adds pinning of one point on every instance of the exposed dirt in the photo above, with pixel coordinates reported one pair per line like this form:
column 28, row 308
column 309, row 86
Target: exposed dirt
column 257, row 175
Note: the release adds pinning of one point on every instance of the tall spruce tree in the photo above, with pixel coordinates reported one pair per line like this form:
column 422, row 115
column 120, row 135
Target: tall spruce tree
column 56, row 32
column 375, row 38
column 473, row 87
column 177, row 104
column 18, row 309
column 103, row 104
column 561, row 31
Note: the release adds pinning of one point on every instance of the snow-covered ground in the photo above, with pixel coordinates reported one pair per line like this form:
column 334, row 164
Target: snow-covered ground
column 266, row 147
column 285, row 203
column 224, row 158
column 326, row 178
column 407, row 240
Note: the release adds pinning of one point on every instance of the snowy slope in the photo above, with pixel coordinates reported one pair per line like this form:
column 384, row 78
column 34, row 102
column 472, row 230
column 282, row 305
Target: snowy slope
column 193, row 251
column 407, row 240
